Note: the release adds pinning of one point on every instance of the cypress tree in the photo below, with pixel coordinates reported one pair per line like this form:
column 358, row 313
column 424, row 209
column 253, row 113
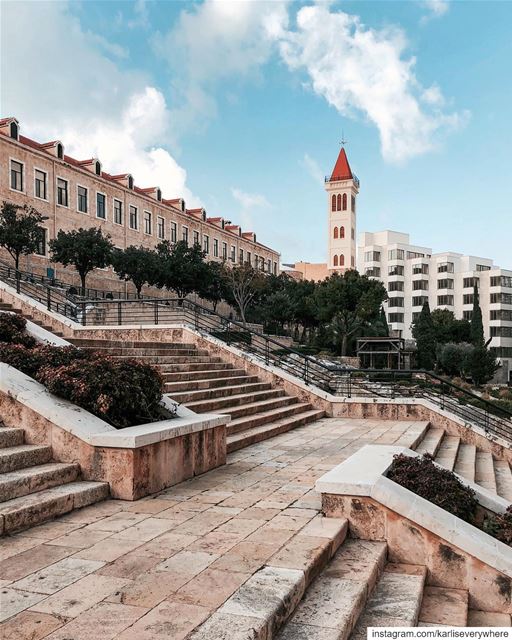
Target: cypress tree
column 477, row 326
column 424, row 333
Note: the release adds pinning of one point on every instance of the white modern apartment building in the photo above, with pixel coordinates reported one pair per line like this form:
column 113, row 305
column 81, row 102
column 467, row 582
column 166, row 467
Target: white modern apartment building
column 413, row 274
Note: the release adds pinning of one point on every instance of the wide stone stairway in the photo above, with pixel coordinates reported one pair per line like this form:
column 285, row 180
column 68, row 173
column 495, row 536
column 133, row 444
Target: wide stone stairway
column 206, row 384
column 468, row 461
column 6, row 306
column 33, row 488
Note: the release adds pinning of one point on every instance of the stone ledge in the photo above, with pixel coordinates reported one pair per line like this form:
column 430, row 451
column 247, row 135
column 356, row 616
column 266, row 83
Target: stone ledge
column 363, row 474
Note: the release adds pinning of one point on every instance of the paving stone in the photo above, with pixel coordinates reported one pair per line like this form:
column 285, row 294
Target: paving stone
column 106, row 620
column 31, row 560
column 168, row 620
column 118, row 521
column 57, row 576
column 305, row 553
column 167, row 544
column 80, row 538
column 50, row 530
column 108, row 550
column 29, row 625
column 79, row 596
column 444, row 606
column 145, row 530
column 14, row 601
column 488, row 619
column 211, row 588
column 148, row 505
column 17, row 544
column 246, row 557
column 130, row 565
column 223, row 626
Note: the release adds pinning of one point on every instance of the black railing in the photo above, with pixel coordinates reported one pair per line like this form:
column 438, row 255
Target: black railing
column 329, row 376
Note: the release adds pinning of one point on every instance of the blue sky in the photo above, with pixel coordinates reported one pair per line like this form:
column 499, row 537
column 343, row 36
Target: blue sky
column 240, row 106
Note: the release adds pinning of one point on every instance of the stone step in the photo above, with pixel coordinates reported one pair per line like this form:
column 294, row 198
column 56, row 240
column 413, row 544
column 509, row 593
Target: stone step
column 503, row 476
column 444, row 606
column 396, row 600
column 138, row 352
column 431, row 442
column 44, row 476
column 23, row 455
column 414, row 434
column 92, row 342
column 260, row 406
column 185, row 397
column 465, row 464
column 260, row 607
column 35, row 508
column 11, row 437
column 333, row 603
column 161, row 360
column 478, row 618
column 209, row 383
column 182, row 376
column 193, row 366
column 257, row 419
column 258, row 434
column 221, row 404
column 484, row 470
column 447, row 453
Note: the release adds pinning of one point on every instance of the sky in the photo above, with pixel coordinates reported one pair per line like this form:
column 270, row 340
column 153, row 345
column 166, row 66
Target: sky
column 240, row 107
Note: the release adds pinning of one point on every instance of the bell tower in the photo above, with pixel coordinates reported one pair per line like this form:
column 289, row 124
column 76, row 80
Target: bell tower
column 342, row 188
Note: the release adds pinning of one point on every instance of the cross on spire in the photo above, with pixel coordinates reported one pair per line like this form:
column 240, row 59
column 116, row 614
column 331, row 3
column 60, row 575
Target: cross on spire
column 343, row 142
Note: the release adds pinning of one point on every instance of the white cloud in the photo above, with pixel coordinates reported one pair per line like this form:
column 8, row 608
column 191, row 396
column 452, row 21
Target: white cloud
column 70, row 90
column 214, row 41
column 435, row 8
column 360, row 70
column 313, row 168
column 249, row 202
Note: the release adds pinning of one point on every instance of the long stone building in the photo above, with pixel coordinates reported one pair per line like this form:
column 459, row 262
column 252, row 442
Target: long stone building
column 73, row 193
column 413, row 274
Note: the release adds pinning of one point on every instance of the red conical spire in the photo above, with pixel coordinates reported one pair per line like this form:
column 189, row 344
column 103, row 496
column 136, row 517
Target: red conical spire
column 342, row 169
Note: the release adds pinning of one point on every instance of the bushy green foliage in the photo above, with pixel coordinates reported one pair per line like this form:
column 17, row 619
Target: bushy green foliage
column 12, row 329
column 499, row 526
column 180, row 268
column 439, row 486
column 448, row 329
column 135, row 264
column 480, row 364
column 20, row 230
column 477, row 327
column 424, row 334
column 452, row 357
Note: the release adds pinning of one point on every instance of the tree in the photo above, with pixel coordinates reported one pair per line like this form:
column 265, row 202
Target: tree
column 424, row 334
column 180, row 268
column 480, row 364
column 477, row 327
column 20, row 230
column 135, row 264
column 85, row 249
column 244, row 284
column 214, row 287
column 448, row 328
column 452, row 357
column 348, row 303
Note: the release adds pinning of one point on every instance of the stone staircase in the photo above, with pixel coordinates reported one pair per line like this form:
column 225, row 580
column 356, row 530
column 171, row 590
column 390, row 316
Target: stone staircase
column 34, row 488
column 468, row 461
column 206, row 384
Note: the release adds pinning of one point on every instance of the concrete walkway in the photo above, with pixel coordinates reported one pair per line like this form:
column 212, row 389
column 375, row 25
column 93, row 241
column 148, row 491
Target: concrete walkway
column 159, row 567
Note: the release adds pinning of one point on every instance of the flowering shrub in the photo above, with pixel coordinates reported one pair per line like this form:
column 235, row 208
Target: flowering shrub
column 439, row 486
column 499, row 526
column 12, row 330
column 123, row 393
column 20, row 357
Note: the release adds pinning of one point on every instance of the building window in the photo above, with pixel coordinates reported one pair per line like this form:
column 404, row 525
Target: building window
column 41, row 243
column 501, row 281
column 342, row 260
column 342, row 232
column 483, row 267
column 118, row 212
column 445, row 267
column 396, row 318
column 241, row 256
column 420, row 285
column 160, row 228
column 372, row 272
column 467, row 315
column 344, row 202
column 215, row 248
column 414, row 254
column 196, row 237
column 372, row 256
column 62, row 192
column 397, row 285
column 501, row 298
column 224, row 251
column 233, row 253
column 148, row 224
column 338, row 202
column 396, row 270
column 335, row 233
column 501, row 314
column 14, row 131
column 418, row 269
column 353, row 203
column 40, row 184
column 275, row 268
column 395, row 302
column 184, row 234
column 82, row 199
column 174, row 233
column 206, row 244
column 269, row 266
column 333, row 203
column 446, row 283
column 60, row 151
column 419, row 301
column 335, row 261
column 445, row 301
column 467, row 298
column 134, row 217
column 353, row 233
column 396, row 254
column 101, row 208
column 16, row 175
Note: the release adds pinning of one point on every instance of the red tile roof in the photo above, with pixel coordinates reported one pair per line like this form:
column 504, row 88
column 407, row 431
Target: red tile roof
column 342, row 169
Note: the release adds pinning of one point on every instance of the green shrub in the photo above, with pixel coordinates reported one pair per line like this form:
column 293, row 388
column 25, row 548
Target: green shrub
column 12, row 330
column 439, row 486
column 499, row 526
column 123, row 393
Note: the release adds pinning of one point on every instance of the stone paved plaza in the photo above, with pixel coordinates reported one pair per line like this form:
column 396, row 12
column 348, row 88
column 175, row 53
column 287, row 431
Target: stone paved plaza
column 159, row 567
